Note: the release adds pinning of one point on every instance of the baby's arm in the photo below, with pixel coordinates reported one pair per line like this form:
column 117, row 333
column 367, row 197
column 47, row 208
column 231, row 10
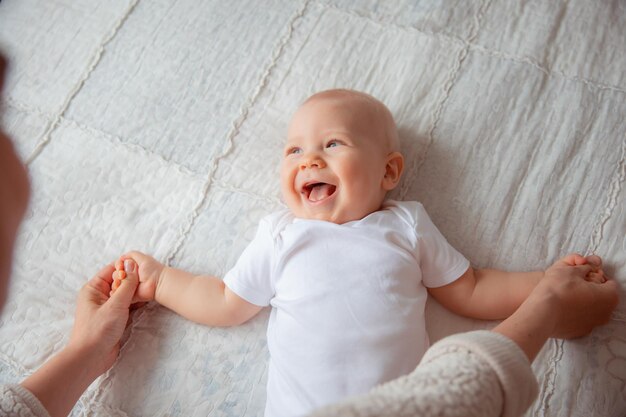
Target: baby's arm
column 487, row 294
column 491, row 294
column 203, row 299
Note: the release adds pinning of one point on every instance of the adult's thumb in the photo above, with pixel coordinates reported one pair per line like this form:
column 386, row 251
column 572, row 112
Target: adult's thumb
column 123, row 296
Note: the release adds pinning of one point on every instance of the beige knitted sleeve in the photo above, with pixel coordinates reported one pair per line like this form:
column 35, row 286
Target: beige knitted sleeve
column 477, row 373
column 17, row 401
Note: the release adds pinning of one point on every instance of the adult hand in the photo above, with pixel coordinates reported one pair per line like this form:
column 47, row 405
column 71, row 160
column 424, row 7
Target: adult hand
column 579, row 303
column 564, row 304
column 94, row 344
column 150, row 271
column 596, row 274
column 101, row 318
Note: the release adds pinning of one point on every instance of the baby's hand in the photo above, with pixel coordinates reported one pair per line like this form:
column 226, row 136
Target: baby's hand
column 597, row 274
column 119, row 274
column 149, row 274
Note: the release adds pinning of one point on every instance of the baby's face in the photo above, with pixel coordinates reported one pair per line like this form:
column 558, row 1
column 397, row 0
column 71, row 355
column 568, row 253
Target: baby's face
column 334, row 161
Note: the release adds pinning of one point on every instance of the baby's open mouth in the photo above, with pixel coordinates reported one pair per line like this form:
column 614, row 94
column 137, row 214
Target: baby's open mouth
column 317, row 191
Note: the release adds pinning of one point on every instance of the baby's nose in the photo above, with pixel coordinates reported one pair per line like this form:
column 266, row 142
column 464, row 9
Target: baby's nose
column 313, row 162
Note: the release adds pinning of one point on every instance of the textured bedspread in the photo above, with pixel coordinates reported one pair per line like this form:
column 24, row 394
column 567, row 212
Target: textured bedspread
column 157, row 125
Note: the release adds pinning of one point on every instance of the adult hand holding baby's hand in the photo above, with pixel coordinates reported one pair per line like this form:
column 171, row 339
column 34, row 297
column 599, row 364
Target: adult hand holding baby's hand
column 581, row 296
column 101, row 318
column 149, row 274
column 594, row 261
column 567, row 303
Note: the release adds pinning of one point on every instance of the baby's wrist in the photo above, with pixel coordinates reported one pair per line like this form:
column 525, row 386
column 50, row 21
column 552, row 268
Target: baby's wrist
column 160, row 280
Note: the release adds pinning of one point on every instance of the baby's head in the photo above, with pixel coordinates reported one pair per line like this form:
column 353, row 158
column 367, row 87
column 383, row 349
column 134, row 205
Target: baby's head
column 341, row 157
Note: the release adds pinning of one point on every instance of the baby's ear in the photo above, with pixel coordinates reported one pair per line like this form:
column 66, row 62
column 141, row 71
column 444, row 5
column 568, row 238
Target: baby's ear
column 393, row 171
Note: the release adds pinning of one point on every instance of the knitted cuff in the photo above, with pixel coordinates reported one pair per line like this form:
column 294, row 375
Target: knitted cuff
column 506, row 359
column 30, row 400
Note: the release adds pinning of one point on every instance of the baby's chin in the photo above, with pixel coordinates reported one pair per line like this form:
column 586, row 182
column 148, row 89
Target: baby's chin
column 330, row 216
column 335, row 211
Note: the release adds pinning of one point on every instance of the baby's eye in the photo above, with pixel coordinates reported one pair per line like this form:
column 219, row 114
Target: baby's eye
column 293, row 150
column 333, row 143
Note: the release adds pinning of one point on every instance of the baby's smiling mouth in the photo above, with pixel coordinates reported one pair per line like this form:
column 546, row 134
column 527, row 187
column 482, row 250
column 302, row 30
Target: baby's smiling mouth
column 318, row 191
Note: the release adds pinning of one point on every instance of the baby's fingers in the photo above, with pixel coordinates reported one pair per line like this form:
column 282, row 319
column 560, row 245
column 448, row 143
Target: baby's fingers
column 127, row 285
column 145, row 292
column 119, row 264
column 597, row 277
column 594, row 260
column 118, row 275
column 573, row 259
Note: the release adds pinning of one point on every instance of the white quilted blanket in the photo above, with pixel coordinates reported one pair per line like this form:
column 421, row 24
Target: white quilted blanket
column 157, row 125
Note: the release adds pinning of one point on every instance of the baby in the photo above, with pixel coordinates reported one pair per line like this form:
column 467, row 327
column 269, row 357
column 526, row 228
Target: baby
column 346, row 271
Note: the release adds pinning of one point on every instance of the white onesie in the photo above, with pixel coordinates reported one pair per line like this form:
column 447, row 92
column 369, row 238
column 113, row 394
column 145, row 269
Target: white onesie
column 348, row 300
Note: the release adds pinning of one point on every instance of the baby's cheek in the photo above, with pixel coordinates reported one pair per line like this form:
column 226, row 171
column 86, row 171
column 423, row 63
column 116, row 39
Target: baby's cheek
column 287, row 188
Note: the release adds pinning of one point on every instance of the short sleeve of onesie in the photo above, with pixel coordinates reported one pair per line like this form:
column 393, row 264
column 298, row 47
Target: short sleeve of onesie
column 440, row 263
column 251, row 277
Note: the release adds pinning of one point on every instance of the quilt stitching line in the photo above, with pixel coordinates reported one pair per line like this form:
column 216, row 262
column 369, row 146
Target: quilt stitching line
column 106, row 378
column 95, row 60
column 549, row 382
column 381, row 22
column 26, row 108
column 236, row 125
column 449, row 37
column 17, row 367
column 111, row 138
column 224, row 186
column 615, row 187
column 116, row 140
column 447, row 88
column 299, row 48
column 96, row 406
column 548, row 71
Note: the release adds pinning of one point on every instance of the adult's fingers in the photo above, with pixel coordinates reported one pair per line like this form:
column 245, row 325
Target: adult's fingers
column 610, row 290
column 102, row 280
column 572, row 259
column 105, row 273
column 123, row 296
column 597, row 277
column 583, row 270
column 595, row 260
